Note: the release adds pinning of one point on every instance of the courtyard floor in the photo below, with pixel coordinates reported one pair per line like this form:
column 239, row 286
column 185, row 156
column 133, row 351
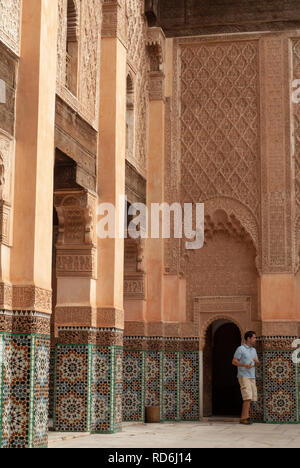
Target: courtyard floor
column 185, row 435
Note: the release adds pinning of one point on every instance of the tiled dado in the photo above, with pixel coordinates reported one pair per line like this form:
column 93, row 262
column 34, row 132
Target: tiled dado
column 88, row 380
column 161, row 377
column 257, row 408
column 278, row 382
column 24, row 379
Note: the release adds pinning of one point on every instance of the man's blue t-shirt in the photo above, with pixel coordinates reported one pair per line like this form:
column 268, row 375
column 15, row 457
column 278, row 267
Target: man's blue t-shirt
column 246, row 355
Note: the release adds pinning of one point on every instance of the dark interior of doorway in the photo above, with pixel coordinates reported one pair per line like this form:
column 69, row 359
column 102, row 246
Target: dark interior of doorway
column 222, row 396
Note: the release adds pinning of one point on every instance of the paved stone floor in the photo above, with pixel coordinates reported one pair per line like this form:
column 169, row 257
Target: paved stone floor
column 186, row 435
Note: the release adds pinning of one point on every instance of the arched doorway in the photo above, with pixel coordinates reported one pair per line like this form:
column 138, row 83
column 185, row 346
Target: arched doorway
column 222, row 395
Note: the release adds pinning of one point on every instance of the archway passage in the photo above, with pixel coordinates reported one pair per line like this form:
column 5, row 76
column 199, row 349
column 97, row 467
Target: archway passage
column 222, row 395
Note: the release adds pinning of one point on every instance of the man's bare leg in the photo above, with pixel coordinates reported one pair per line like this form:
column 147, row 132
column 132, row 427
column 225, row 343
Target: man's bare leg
column 246, row 410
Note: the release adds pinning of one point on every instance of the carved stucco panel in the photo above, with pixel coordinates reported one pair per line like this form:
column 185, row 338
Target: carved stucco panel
column 276, row 210
column 212, row 123
column 6, row 167
column 219, row 134
column 6, row 174
column 90, row 22
column 295, row 103
column 138, row 62
column 10, row 19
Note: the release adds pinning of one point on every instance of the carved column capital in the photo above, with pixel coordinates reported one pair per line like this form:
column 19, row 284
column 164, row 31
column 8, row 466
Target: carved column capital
column 115, row 20
column 156, row 50
column 156, row 46
column 76, row 243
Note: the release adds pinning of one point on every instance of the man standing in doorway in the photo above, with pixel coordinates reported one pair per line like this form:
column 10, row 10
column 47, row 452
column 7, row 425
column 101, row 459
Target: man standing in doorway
column 245, row 359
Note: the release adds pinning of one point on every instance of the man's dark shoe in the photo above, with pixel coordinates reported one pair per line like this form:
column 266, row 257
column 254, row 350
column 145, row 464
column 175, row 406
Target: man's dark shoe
column 246, row 422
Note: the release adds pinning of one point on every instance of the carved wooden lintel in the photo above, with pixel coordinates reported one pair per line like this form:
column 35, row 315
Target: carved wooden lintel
column 151, row 11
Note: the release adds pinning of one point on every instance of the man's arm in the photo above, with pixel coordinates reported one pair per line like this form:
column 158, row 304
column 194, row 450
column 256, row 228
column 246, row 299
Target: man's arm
column 237, row 363
column 256, row 360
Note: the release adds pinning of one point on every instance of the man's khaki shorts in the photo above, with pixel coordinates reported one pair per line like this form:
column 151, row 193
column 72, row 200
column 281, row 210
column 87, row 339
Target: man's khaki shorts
column 248, row 388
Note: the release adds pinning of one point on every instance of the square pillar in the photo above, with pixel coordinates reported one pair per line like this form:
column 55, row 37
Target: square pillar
column 26, row 309
column 277, row 382
column 280, row 381
column 155, row 171
column 24, row 379
column 88, row 380
column 111, row 167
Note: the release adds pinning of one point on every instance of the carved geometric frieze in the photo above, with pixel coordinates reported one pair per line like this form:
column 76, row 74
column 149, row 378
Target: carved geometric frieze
column 75, row 316
column 19, row 297
column 110, row 317
column 25, row 322
column 226, row 304
column 6, row 296
column 114, row 20
column 79, row 262
column 10, row 19
column 134, row 286
column 31, row 297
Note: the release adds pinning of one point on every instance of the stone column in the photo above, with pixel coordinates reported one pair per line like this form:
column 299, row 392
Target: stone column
column 277, row 378
column 111, row 185
column 111, row 169
column 88, row 382
column 155, row 171
column 25, row 321
column 75, row 308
